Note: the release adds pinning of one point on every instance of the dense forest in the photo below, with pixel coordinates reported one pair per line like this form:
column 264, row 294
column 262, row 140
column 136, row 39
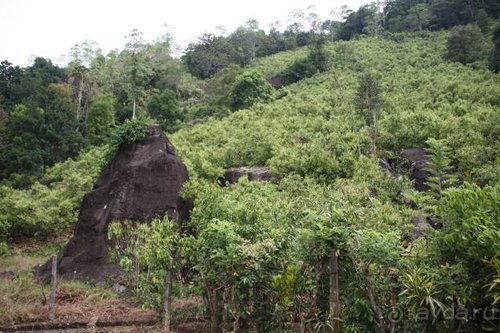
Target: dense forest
column 322, row 105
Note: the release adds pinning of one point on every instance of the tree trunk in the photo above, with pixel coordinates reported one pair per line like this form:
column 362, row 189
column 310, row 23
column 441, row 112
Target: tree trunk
column 133, row 110
column 166, row 301
column 213, row 304
column 79, row 109
column 334, row 291
column 378, row 314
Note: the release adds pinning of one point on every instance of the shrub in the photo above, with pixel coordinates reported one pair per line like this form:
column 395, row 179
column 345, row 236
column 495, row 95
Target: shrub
column 249, row 88
column 129, row 132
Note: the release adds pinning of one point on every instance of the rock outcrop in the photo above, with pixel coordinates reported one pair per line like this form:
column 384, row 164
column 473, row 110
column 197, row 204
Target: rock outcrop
column 143, row 181
column 420, row 226
column 417, row 158
column 232, row 175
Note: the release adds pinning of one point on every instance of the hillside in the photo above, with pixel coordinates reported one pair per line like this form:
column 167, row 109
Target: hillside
column 270, row 256
column 423, row 97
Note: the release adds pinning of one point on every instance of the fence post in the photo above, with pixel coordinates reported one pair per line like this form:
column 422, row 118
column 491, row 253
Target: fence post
column 53, row 289
column 166, row 301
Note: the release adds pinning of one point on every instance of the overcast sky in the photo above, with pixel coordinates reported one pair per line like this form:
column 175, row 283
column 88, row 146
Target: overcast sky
column 49, row 28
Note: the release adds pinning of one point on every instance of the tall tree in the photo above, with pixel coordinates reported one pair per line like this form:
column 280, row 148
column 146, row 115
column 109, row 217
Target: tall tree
column 165, row 109
column 247, row 41
column 369, row 103
column 209, row 55
column 495, row 57
column 137, row 71
column 465, row 44
column 81, row 77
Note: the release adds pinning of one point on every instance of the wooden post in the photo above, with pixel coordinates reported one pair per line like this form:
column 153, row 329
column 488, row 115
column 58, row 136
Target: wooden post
column 334, row 291
column 53, row 290
column 166, row 301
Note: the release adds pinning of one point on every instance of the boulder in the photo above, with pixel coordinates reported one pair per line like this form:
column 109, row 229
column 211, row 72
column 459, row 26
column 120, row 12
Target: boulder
column 417, row 158
column 420, row 225
column 386, row 166
column 232, row 175
column 143, row 181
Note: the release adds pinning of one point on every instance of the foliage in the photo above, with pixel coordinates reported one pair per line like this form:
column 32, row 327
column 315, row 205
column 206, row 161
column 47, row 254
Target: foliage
column 250, row 88
column 101, row 119
column 318, row 53
column 470, row 237
column 494, row 286
column 208, row 56
column 41, row 137
column 258, row 252
column 42, row 209
column 299, row 70
column 4, row 249
column 165, row 109
column 369, row 102
column 466, row 45
column 495, row 56
column 129, row 132
column 440, row 168
column 400, row 15
column 441, row 177
column 145, row 252
column 420, row 291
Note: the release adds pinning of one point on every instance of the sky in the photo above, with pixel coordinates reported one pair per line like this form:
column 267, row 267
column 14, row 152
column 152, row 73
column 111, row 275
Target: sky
column 49, row 28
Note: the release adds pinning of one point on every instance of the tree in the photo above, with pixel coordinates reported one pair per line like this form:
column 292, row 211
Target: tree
column 495, row 57
column 247, row 41
column 249, row 88
column 318, row 54
column 25, row 153
column 364, row 21
column 440, row 168
column 418, row 17
column 209, row 55
column 137, row 71
column 9, row 75
column 166, row 110
column 465, row 44
column 29, row 85
column 81, row 77
column 101, row 119
column 3, row 124
column 40, row 137
column 369, row 103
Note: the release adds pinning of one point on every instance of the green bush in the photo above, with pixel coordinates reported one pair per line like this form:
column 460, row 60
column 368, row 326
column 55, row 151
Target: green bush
column 129, row 132
column 250, row 88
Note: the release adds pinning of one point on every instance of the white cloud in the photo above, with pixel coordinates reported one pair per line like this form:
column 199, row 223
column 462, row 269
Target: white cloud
column 49, row 28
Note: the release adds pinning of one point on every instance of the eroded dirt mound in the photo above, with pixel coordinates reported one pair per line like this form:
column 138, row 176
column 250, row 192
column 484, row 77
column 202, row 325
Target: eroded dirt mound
column 143, row 181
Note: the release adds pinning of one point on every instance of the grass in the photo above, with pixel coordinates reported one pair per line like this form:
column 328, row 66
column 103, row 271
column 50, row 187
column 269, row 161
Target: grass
column 23, row 301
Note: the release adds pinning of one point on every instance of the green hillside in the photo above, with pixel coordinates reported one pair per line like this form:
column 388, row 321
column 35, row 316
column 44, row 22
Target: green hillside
column 423, row 97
